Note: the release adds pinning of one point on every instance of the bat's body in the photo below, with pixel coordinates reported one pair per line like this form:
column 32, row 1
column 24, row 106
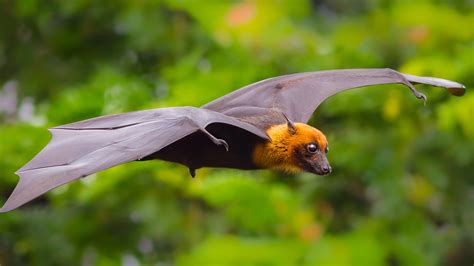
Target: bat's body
column 250, row 128
column 196, row 151
column 248, row 152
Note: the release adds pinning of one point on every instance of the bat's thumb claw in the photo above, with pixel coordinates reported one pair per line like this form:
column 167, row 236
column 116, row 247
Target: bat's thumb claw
column 417, row 94
column 422, row 97
column 219, row 142
column 223, row 143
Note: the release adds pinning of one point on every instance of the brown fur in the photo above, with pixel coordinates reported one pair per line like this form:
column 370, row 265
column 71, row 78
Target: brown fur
column 279, row 153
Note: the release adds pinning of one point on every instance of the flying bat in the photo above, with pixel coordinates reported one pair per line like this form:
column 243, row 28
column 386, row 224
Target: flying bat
column 260, row 126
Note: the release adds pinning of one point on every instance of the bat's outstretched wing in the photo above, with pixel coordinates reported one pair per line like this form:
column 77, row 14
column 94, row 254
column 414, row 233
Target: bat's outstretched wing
column 80, row 149
column 298, row 95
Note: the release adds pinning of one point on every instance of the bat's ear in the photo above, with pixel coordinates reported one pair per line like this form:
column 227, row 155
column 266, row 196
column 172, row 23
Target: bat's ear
column 290, row 124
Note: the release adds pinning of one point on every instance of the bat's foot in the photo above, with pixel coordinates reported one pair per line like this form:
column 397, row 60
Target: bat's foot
column 192, row 172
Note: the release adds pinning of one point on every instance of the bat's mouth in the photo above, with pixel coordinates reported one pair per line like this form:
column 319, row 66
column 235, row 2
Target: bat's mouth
column 318, row 165
column 319, row 169
column 325, row 170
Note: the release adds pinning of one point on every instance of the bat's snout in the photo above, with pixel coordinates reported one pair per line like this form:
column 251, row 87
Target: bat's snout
column 322, row 170
column 326, row 169
column 320, row 165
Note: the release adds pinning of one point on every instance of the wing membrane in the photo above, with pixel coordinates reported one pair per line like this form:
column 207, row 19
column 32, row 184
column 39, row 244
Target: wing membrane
column 298, row 95
column 80, row 149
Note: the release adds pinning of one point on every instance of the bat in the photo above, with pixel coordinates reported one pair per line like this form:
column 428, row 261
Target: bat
column 260, row 126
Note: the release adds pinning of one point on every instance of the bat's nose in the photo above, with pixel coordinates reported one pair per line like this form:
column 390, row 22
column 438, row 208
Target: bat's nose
column 327, row 169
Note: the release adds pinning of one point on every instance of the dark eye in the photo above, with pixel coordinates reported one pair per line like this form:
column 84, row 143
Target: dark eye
column 327, row 149
column 312, row 148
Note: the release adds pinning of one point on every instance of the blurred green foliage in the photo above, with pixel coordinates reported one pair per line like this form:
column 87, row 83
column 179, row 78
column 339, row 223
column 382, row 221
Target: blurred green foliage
column 402, row 186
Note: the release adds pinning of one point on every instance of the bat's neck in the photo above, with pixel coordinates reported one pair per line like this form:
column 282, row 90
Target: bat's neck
column 277, row 153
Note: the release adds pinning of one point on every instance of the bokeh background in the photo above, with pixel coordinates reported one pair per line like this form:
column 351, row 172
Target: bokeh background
column 402, row 189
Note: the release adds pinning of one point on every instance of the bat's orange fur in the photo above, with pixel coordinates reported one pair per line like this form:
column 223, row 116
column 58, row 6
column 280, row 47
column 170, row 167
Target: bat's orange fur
column 279, row 153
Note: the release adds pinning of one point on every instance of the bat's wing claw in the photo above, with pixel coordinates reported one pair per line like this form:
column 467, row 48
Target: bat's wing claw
column 422, row 96
column 221, row 142
column 415, row 92
column 218, row 142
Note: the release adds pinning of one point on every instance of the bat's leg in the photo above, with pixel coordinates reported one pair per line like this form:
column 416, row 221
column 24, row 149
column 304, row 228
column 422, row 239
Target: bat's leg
column 216, row 141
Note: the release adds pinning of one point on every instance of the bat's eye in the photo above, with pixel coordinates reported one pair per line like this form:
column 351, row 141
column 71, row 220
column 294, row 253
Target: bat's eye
column 312, row 148
column 327, row 149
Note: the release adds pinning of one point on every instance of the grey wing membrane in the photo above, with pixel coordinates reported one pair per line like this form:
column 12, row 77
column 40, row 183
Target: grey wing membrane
column 83, row 148
column 298, row 95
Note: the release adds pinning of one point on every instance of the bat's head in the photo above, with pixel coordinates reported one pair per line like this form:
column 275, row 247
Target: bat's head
column 294, row 147
column 308, row 146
